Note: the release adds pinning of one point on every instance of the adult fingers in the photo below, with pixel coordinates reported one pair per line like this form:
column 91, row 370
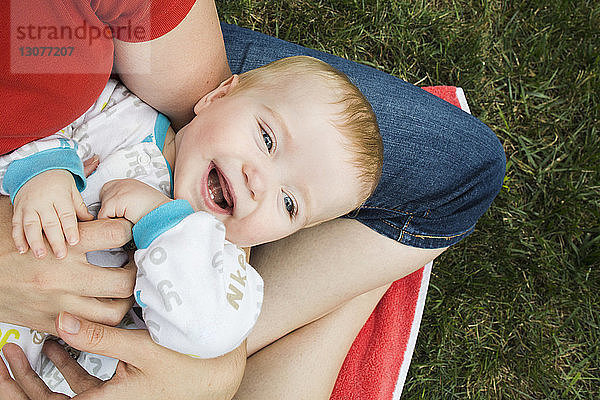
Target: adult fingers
column 78, row 378
column 9, row 389
column 115, row 309
column 123, row 344
column 103, row 234
column 87, row 280
column 104, row 311
column 32, row 228
column 32, row 387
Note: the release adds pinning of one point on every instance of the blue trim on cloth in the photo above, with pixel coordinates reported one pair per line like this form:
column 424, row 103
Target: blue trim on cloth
column 160, row 130
column 161, row 126
column 21, row 171
column 138, row 299
column 160, row 220
column 170, row 178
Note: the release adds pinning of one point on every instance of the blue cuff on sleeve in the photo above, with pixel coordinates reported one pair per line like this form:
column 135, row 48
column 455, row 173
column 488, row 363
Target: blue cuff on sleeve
column 21, row 171
column 160, row 220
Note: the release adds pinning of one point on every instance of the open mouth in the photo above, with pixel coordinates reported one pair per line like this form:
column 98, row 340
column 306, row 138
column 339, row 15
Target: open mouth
column 218, row 190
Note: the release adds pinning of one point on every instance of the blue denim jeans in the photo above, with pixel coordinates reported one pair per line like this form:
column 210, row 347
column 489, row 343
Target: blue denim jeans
column 442, row 167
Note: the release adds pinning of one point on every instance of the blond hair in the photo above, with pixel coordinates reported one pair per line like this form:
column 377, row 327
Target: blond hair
column 356, row 122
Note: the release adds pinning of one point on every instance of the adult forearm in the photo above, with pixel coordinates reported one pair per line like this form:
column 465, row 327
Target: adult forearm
column 172, row 72
column 7, row 254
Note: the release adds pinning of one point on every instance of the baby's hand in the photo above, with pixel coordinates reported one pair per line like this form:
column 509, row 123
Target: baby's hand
column 129, row 198
column 50, row 202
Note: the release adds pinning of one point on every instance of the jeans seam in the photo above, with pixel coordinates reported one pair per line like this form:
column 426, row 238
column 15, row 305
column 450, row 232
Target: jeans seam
column 394, row 227
column 390, row 210
column 385, row 221
column 438, row 237
column 403, row 230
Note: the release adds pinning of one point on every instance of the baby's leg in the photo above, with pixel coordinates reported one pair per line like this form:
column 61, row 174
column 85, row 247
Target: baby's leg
column 305, row 363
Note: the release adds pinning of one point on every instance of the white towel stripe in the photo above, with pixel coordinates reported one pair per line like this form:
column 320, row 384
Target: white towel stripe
column 414, row 331
column 462, row 100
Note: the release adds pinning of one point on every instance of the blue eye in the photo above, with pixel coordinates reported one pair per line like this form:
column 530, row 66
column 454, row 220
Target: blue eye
column 289, row 205
column 267, row 138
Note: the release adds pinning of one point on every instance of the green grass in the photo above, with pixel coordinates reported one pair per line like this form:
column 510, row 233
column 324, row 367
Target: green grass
column 513, row 311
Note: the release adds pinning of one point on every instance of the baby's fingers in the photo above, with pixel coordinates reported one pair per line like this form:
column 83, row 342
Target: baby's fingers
column 110, row 207
column 68, row 222
column 33, row 233
column 52, row 227
column 80, row 208
column 108, row 210
column 17, row 232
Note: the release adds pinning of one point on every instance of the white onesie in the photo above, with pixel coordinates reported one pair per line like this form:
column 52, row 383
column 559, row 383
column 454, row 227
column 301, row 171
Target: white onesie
column 197, row 294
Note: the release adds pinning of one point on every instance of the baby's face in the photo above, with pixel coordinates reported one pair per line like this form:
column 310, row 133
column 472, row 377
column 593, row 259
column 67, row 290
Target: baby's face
column 265, row 162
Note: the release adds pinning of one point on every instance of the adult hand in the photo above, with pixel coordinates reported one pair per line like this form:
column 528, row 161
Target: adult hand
column 33, row 292
column 146, row 370
column 29, row 385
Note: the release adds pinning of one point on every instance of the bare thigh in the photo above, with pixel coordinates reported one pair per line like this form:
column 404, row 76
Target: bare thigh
column 305, row 363
column 321, row 284
column 314, row 271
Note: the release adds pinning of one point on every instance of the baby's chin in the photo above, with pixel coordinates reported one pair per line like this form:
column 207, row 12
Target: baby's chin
column 243, row 240
column 250, row 239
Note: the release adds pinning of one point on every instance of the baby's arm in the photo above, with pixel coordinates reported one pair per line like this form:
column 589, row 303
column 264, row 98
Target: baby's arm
column 198, row 295
column 130, row 199
column 43, row 179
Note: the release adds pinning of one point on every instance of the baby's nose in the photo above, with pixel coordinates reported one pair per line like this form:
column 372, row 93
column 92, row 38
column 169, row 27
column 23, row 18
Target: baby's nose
column 255, row 181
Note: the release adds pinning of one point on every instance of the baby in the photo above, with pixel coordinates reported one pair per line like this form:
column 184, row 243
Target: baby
column 274, row 150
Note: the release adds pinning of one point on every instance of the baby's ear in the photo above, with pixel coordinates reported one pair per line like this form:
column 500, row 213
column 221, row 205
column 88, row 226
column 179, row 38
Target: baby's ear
column 222, row 90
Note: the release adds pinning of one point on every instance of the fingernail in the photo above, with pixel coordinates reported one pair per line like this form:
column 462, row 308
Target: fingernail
column 21, row 250
column 40, row 253
column 60, row 254
column 72, row 240
column 68, row 323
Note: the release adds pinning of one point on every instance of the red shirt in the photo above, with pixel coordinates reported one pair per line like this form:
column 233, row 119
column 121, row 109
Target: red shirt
column 57, row 56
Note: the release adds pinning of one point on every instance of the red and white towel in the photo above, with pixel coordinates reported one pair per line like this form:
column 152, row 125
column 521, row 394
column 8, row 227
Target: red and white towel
column 377, row 363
